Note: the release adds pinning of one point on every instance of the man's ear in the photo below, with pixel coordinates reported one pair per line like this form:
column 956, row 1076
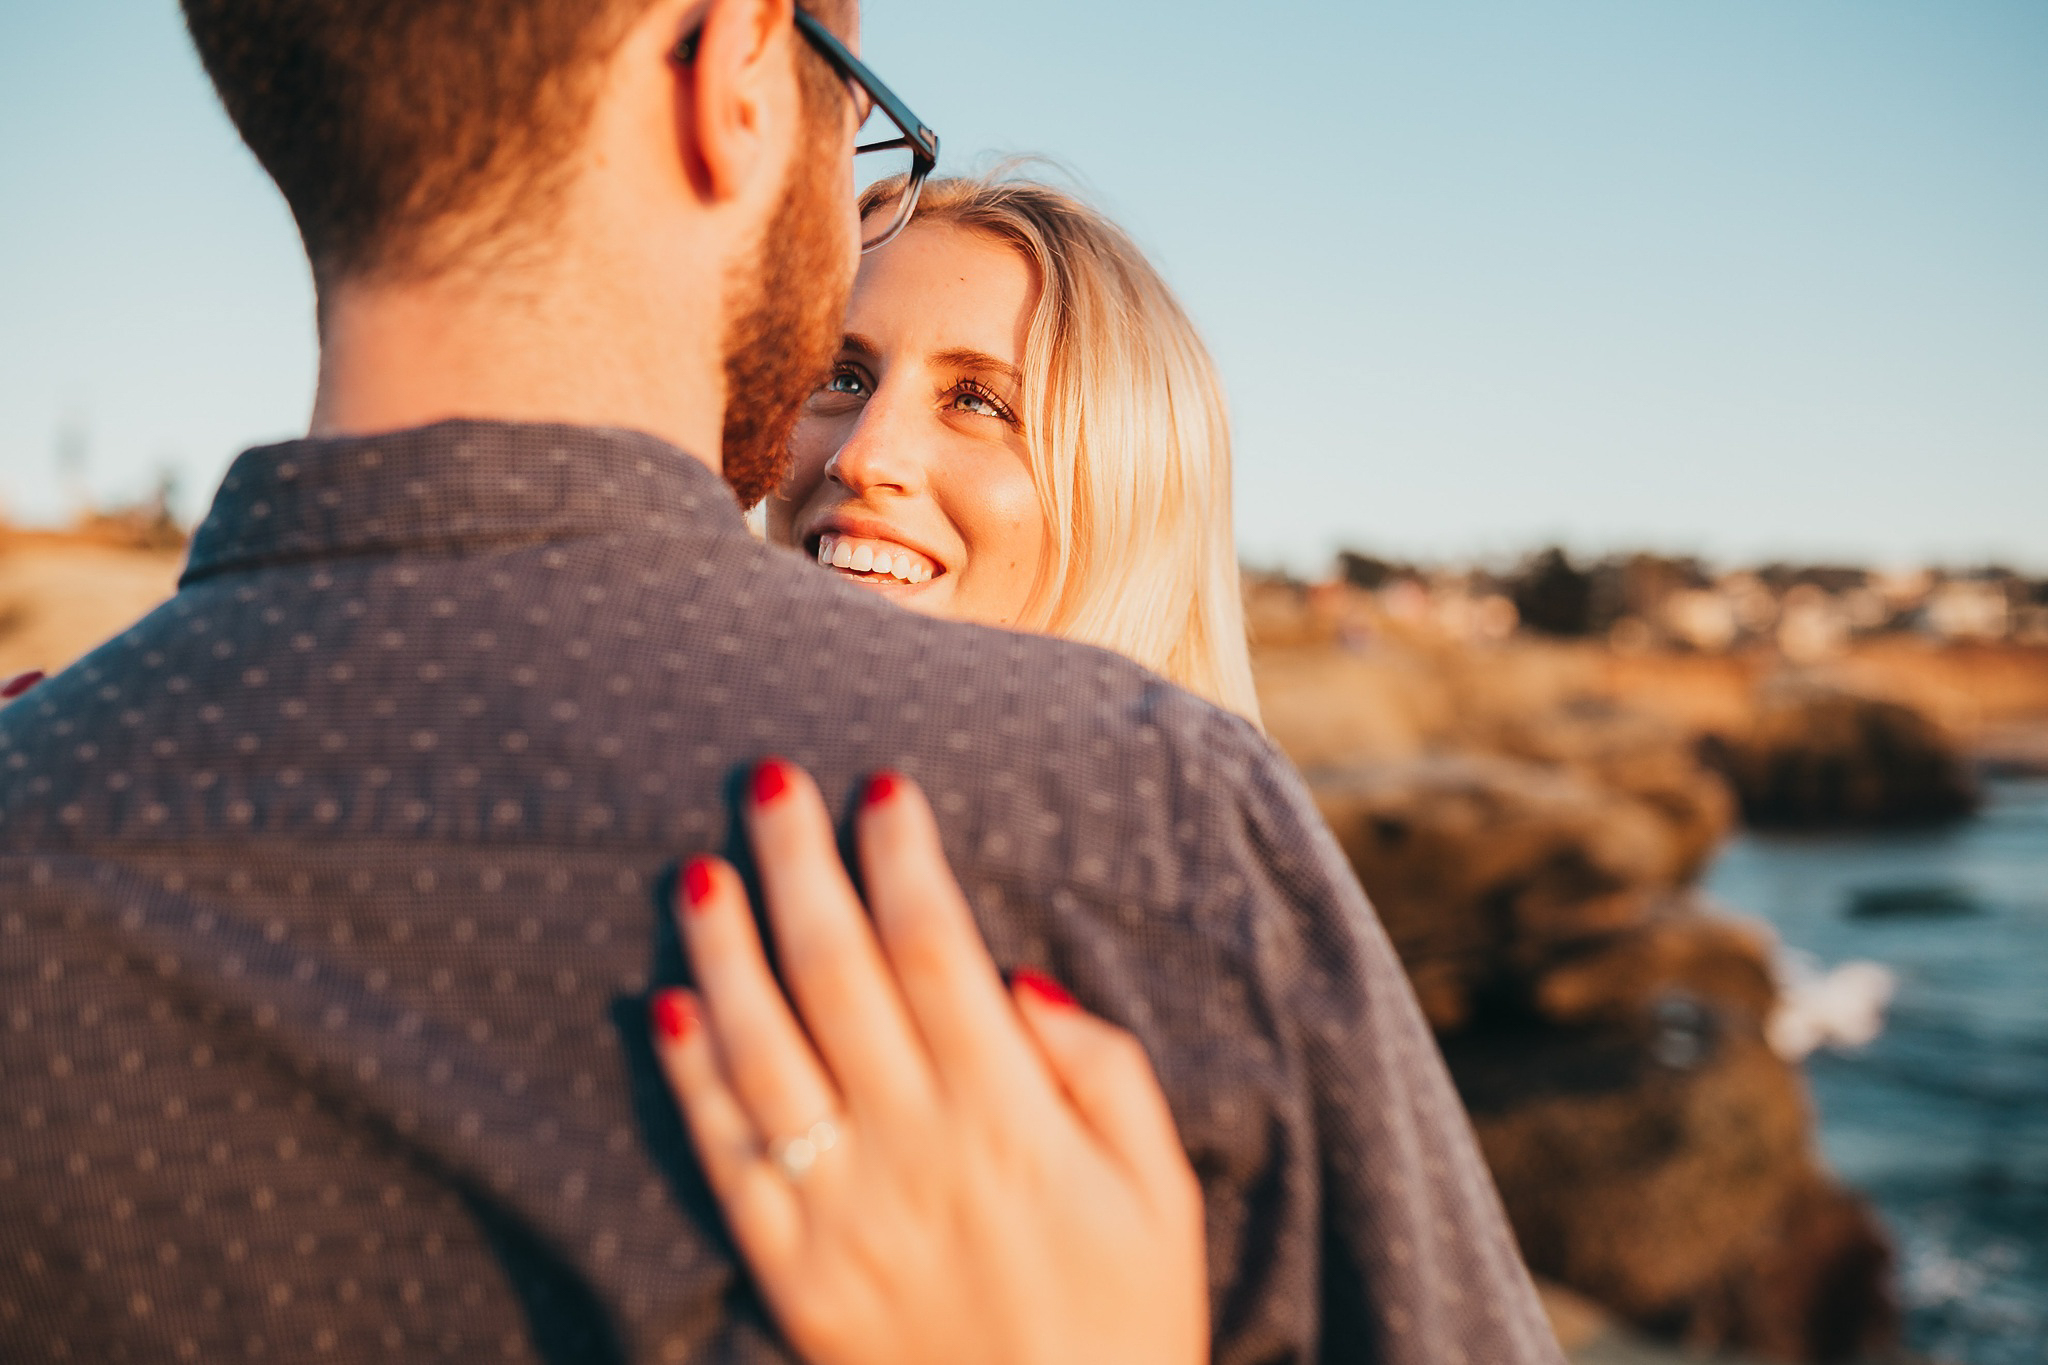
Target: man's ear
column 736, row 96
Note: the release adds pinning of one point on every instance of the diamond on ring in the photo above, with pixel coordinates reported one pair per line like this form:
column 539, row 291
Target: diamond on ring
column 795, row 1156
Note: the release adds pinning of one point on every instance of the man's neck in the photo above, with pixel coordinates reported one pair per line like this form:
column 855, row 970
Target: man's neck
column 399, row 356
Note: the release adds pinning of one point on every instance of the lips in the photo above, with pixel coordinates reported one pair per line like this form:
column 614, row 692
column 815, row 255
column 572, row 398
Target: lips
column 875, row 559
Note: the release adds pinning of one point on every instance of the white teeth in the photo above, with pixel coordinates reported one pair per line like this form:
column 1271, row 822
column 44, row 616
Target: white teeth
column 905, row 566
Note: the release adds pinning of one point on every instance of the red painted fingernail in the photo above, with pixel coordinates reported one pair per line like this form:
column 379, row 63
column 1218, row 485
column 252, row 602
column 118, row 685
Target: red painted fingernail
column 771, row 780
column 697, row 882
column 881, row 787
column 1042, row 986
column 20, row 683
column 675, row 1015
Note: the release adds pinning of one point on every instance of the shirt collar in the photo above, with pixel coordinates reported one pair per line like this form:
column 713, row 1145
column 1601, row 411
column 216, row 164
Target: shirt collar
column 461, row 484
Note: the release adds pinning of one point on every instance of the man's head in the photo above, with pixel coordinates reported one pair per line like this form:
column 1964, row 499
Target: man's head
column 531, row 147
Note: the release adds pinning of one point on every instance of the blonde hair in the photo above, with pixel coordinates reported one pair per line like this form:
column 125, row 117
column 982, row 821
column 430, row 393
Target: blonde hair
column 1129, row 440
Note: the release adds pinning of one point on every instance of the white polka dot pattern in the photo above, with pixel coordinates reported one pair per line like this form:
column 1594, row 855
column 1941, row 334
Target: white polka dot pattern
column 330, row 899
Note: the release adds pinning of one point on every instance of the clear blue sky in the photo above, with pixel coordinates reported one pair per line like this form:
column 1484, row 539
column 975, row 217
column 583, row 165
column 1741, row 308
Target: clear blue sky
column 1741, row 277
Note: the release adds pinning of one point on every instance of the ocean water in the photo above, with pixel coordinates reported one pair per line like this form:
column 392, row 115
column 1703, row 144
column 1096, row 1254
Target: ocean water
column 1943, row 1119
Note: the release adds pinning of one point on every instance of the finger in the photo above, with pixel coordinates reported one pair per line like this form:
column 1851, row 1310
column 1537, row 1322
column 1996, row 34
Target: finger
column 765, row 1054
column 955, row 992
column 760, row 1207
column 1105, row 1072
column 827, row 951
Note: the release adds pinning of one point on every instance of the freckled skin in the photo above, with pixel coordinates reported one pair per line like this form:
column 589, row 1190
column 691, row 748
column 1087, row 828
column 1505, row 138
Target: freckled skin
column 916, row 435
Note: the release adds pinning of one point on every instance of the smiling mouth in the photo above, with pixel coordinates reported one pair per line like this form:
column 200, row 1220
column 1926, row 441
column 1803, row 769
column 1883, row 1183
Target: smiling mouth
column 879, row 563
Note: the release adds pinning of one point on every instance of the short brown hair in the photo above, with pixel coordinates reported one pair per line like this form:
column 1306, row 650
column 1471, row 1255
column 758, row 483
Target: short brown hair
column 407, row 134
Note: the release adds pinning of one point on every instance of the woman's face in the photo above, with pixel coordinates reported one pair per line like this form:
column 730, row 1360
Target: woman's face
column 910, row 475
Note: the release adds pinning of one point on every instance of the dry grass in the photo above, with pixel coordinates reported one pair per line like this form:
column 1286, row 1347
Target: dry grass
column 61, row 595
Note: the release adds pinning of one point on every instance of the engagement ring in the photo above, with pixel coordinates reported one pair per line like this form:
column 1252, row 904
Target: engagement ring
column 795, row 1156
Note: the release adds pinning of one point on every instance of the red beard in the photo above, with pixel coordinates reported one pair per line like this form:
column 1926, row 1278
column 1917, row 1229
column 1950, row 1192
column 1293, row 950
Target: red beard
column 783, row 324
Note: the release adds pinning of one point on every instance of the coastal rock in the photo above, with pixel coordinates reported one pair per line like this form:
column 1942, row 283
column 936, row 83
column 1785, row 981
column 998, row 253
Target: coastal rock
column 1606, row 1028
column 1484, row 868
column 1677, row 953
column 1633, row 752
column 1662, row 1167
column 1819, row 757
column 1626, row 1177
column 1815, row 1284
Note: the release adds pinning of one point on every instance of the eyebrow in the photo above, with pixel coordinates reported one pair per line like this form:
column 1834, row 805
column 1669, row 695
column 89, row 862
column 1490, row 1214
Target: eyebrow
column 967, row 358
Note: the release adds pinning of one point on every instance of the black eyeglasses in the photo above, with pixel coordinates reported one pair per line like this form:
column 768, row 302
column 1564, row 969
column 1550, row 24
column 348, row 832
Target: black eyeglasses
column 910, row 155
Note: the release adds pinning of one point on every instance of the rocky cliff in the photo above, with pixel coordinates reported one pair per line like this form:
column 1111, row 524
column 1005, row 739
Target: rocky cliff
column 1532, row 835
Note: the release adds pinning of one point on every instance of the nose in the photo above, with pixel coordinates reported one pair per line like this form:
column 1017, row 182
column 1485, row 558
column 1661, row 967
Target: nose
column 880, row 454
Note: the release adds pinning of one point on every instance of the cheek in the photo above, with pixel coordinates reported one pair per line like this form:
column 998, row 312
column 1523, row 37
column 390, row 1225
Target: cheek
column 1014, row 515
column 1000, row 519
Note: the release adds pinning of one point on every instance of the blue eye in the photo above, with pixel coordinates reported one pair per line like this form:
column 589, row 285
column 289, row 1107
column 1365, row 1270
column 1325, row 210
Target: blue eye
column 971, row 397
column 975, row 403
column 846, row 382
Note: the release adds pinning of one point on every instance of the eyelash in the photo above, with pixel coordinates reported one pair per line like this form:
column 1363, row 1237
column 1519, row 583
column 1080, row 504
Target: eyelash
column 981, row 391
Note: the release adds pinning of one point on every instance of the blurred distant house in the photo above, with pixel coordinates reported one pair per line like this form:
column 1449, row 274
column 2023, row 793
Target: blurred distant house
column 1812, row 624
column 1638, row 602
column 1705, row 619
column 1969, row 609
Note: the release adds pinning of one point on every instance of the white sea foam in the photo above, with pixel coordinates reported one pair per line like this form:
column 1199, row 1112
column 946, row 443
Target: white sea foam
column 1818, row 1007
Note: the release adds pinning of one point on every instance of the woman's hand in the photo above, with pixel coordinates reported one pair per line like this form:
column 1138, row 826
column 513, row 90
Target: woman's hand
column 955, row 1171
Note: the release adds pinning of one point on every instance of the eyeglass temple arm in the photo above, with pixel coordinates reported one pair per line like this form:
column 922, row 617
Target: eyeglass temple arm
column 920, row 139
column 923, row 142
column 889, row 146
